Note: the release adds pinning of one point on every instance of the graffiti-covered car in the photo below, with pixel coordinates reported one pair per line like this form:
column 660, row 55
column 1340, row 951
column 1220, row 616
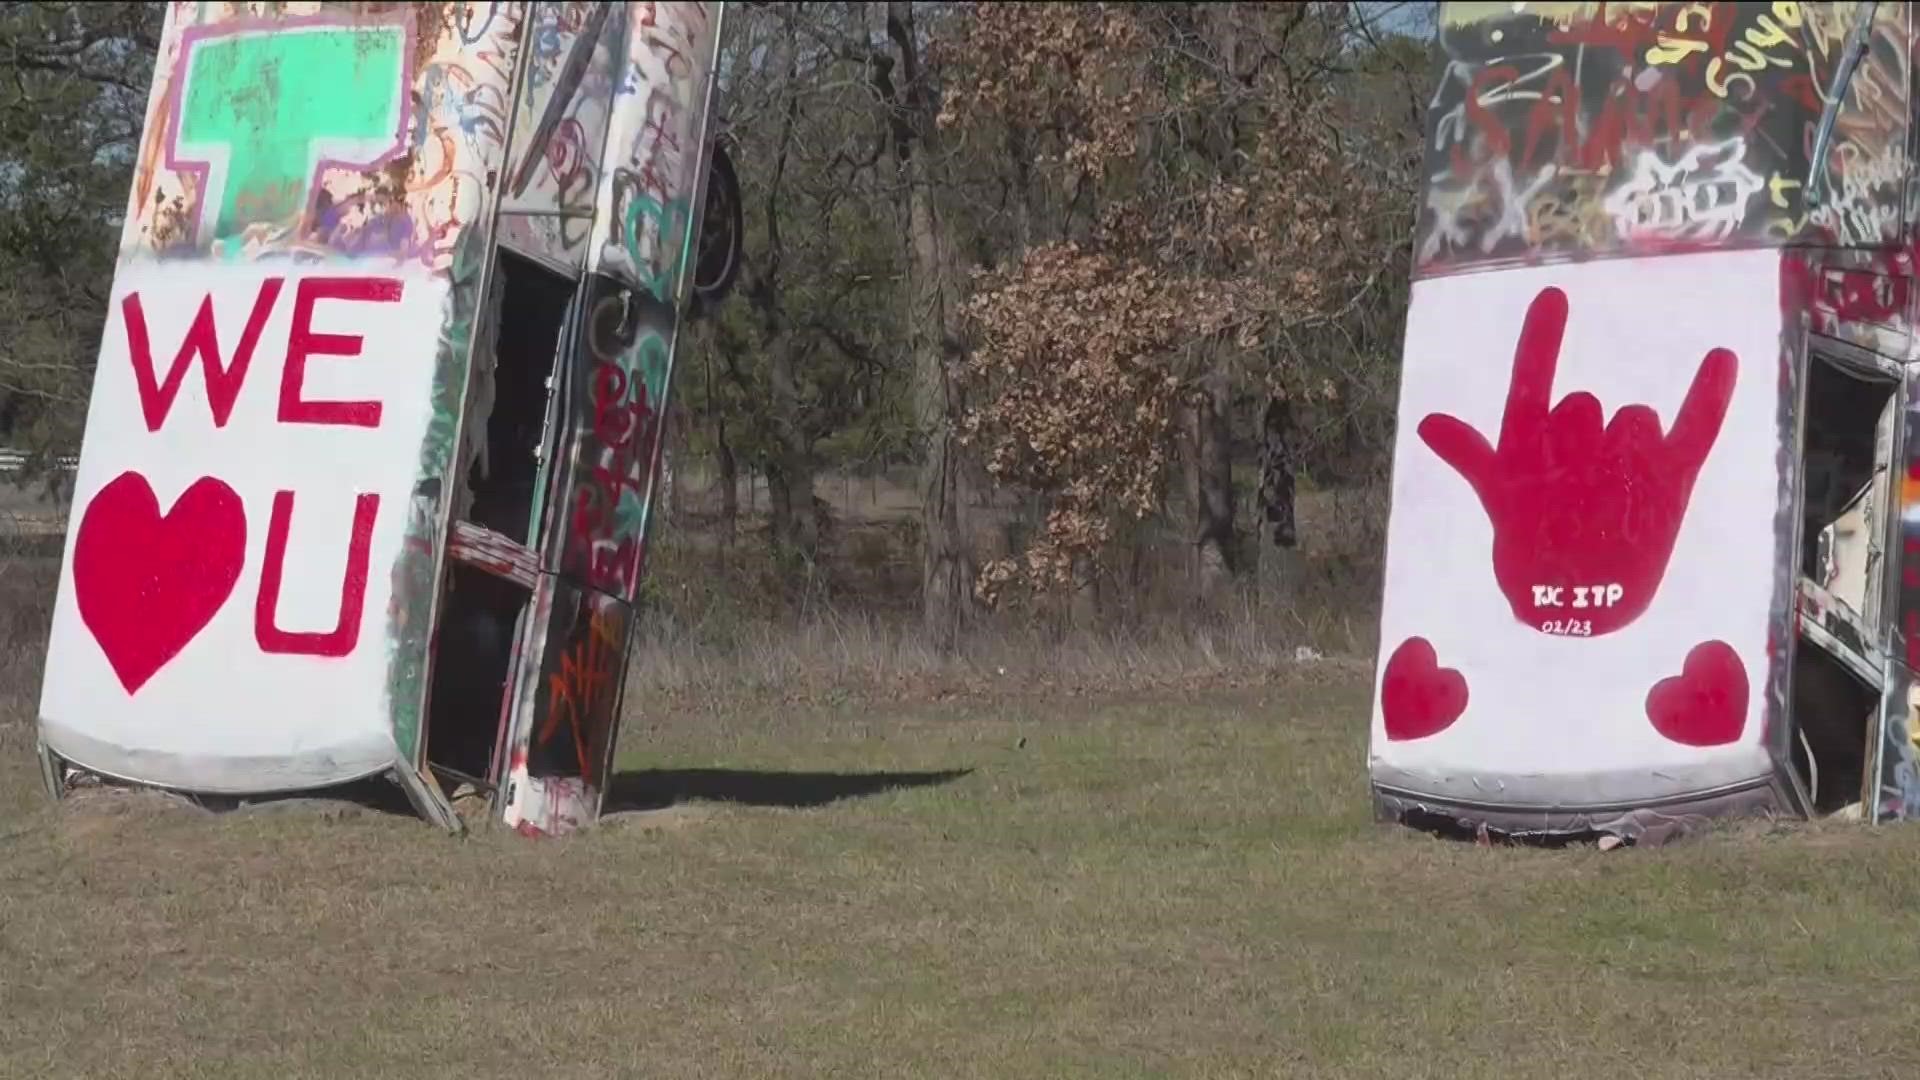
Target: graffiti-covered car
column 371, row 447
column 1647, row 559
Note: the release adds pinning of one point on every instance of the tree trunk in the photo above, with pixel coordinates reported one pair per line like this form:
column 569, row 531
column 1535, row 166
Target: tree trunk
column 790, row 476
column 665, row 501
column 790, row 472
column 1210, row 486
column 1083, row 609
column 947, row 572
column 1278, row 464
column 729, row 484
column 676, row 500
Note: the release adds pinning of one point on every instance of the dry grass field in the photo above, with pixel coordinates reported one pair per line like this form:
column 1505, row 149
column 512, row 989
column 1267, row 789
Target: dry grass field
column 1157, row 863
column 1128, row 885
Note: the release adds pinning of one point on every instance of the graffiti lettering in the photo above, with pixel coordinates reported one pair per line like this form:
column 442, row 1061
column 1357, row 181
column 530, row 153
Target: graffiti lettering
column 1657, row 121
column 339, row 641
column 303, row 343
column 1750, row 52
column 546, row 44
column 1685, row 40
column 1703, row 196
column 1583, row 595
column 668, row 221
column 579, row 690
column 472, row 28
column 223, row 382
column 211, row 518
column 567, row 157
column 609, row 506
column 1636, row 110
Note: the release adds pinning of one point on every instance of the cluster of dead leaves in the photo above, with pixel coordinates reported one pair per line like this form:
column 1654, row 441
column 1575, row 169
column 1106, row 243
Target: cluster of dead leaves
column 1072, row 68
column 1074, row 395
column 1083, row 350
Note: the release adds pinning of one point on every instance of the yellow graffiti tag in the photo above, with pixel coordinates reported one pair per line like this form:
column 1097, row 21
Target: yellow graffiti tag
column 1750, row 52
column 1671, row 48
column 1777, row 187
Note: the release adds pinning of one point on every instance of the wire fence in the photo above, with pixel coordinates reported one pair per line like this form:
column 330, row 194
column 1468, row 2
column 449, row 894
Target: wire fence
column 13, row 461
column 31, row 524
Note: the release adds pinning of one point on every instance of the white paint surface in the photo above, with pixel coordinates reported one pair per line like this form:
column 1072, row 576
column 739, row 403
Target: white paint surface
column 1561, row 721
column 223, row 715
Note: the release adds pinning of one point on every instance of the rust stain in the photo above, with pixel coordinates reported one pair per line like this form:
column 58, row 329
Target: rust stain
column 387, row 186
column 322, row 202
column 172, row 224
column 431, row 22
column 392, row 179
column 446, row 162
column 152, row 151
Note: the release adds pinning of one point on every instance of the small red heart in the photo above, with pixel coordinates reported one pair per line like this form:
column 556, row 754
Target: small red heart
column 147, row 584
column 1706, row 704
column 1418, row 697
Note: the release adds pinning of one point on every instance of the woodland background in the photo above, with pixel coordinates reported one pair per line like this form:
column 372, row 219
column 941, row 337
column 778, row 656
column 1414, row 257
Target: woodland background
column 1064, row 347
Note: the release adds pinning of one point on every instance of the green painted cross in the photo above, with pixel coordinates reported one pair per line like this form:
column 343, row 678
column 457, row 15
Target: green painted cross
column 264, row 108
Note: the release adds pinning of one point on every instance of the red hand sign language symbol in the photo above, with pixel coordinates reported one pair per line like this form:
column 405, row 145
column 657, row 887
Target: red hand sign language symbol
column 1584, row 519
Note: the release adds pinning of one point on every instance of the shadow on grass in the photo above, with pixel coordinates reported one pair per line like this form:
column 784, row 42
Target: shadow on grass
column 648, row 789
column 656, row 789
column 374, row 794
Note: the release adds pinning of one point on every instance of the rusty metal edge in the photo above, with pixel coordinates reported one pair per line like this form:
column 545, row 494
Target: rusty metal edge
column 427, row 798
column 443, row 512
column 517, row 726
column 51, row 769
column 1796, row 353
column 1893, row 680
column 683, row 287
column 1759, row 797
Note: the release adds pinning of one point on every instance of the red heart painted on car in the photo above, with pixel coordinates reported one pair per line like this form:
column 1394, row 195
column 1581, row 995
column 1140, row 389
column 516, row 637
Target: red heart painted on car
column 1706, row 704
column 148, row 583
column 1418, row 697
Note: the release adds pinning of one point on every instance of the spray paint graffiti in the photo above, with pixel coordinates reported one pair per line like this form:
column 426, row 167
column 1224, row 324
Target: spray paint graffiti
column 1418, row 697
column 1594, row 128
column 1706, row 704
column 575, row 720
column 560, row 131
column 364, row 135
column 1569, row 142
column 1701, row 197
column 323, row 185
column 619, row 370
column 644, row 239
column 147, row 583
column 625, row 363
column 301, row 469
column 195, row 552
column 337, row 101
column 1577, row 606
column 269, row 476
column 460, row 252
column 641, row 251
column 1563, row 495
